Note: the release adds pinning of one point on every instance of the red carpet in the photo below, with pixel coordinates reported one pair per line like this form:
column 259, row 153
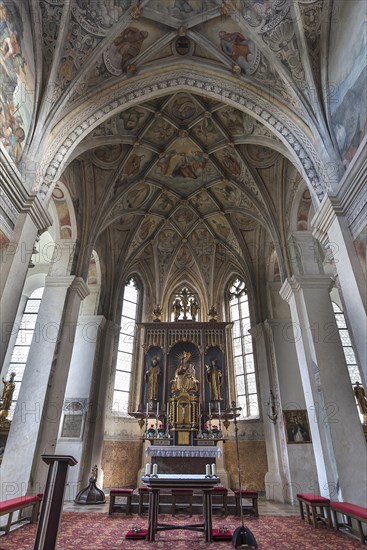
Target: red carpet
column 93, row 531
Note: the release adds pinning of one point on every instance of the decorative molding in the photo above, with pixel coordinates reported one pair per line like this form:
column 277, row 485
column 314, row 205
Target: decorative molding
column 77, row 126
column 80, row 287
column 64, row 281
column 295, row 284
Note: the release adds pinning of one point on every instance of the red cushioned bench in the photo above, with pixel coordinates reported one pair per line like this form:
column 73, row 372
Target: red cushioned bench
column 317, row 509
column 18, row 504
column 351, row 511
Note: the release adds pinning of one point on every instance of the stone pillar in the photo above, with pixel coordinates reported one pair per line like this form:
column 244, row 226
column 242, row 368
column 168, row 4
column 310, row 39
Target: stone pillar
column 80, row 389
column 274, row 480
column 14, row 265
column 332, row 230
column 35, row 425
column 101, row 381
column 297, row 461
column 337, row 435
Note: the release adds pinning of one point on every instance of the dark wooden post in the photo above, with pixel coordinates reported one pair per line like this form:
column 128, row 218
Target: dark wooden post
column 48, row 525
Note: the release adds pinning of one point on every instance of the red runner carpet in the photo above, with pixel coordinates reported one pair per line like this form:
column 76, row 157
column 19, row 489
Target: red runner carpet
column 94, row 531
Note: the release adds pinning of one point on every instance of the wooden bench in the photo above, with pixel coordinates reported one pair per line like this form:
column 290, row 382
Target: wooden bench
column 351, row 511
column 250, row 495
column 142, row 491
column 18, row 504
column 220, row 491
column 117, row 493
column 317, row 509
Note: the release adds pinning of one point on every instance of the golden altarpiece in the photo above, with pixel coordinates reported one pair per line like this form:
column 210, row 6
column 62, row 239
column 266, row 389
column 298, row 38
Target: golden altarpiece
column 184, row 385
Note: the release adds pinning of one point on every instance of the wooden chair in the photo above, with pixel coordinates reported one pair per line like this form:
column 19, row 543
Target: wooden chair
column 117, row 493
column 250, row 495
column 185, row 495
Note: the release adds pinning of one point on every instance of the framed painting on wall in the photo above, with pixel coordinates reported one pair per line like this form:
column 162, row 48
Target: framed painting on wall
column 297, row 428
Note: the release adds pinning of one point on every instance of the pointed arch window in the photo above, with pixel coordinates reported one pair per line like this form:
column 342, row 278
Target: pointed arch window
column 27, row 329
column 185, row 305
column 243, row 356
column 125, row 351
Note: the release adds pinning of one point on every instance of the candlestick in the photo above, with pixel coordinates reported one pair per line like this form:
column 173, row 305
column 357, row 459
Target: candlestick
column 210, row 409
column 214, row 470
column 147, row 411
column 157, row 408
column 155, row 469
column 207, row 470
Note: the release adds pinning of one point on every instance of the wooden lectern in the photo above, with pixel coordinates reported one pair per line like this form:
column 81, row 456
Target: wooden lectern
column 48, row 525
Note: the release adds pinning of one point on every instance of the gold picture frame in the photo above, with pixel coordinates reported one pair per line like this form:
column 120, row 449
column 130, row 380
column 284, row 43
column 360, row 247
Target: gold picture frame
column 297, row 427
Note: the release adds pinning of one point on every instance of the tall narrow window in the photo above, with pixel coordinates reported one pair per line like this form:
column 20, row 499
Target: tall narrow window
column 23, row 342
column 244, row 366
column 350, row 358
column 125, row 349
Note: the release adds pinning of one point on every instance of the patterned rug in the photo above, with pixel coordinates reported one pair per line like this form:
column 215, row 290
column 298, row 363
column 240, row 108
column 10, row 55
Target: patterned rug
column 94, row 531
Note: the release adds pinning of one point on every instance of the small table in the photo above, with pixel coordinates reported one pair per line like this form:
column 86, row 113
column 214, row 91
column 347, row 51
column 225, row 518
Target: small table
column 182, row 481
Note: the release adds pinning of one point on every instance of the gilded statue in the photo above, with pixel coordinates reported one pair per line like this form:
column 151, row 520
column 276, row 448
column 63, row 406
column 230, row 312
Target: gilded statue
column 214, row 378
column 7, row 395
column 194, row 308
column 151, row 378
column 185, row 375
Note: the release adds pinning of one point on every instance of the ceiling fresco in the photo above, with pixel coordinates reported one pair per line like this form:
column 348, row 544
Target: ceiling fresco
column 194, row 170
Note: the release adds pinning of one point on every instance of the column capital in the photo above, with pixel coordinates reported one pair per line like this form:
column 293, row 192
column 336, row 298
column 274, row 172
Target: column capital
column 294, row 284
column 80, row 287
column 36, row 210
column 325, row 217
column 59, row 281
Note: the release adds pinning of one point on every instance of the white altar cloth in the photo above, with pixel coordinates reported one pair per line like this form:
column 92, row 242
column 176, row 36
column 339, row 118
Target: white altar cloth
column 184, row 451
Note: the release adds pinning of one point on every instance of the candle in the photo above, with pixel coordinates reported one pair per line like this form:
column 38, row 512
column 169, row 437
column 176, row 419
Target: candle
column 167, row 412
column 155, row 469
column 214, row 472
column 157, row 408
column 147, row 410
column 219, row 408
column 207, row 470
column 147, row 469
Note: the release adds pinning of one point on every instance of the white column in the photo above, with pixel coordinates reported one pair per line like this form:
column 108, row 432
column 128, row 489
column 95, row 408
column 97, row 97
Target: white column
column 332, row 230
column 35, row 424
column 14, row 266
column 274, row 480
column 79, row 389
column 337, row 435
column 297, row 461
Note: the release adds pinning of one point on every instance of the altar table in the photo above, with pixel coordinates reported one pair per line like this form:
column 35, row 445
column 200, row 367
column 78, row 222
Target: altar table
column 182, row 481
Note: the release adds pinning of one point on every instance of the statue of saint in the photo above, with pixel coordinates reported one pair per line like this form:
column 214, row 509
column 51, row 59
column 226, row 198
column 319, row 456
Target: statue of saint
column 151, row 378
column 214, row 378
column 7, row 395
column 177, row 308
column 361, row 400
column 194, row 308
column 185, row 376
column 213, row 314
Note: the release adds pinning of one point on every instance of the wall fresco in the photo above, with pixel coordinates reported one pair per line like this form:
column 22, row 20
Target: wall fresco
column 348, row 76
column 17, row 79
